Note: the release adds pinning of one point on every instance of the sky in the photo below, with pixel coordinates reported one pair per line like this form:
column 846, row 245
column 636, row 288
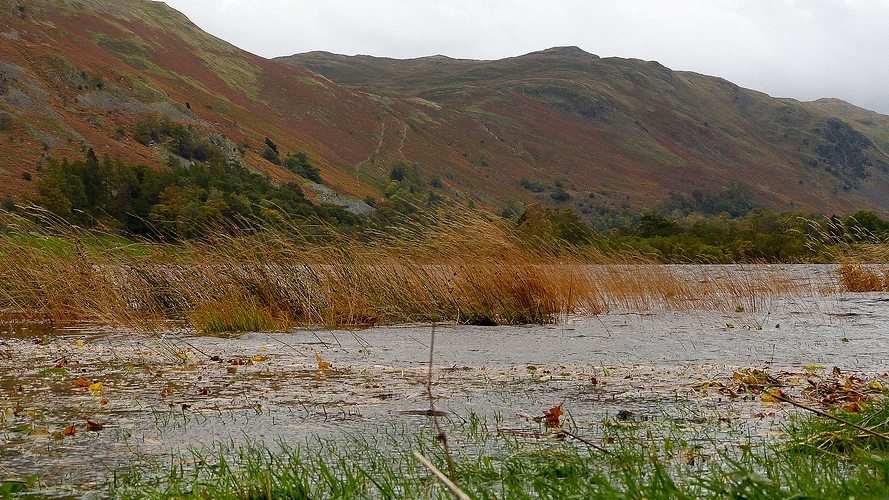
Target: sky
column 802, row 49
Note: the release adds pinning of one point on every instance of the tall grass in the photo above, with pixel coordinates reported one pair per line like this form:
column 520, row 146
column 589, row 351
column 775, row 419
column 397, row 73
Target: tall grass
column 470, row 269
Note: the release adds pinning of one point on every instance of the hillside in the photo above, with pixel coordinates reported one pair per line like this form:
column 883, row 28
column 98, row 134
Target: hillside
column 560, row 126
column 634, row 130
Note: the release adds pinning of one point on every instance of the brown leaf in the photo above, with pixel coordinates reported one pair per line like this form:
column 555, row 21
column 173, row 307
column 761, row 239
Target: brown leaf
column 852, row 408
column 69, row 431
column 81, row 383
column 322, row 365
column 551, row 416
column 93, row 426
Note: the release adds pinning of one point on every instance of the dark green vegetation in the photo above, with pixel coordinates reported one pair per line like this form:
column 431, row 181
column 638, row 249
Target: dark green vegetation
column 175, row 202
column 817, row 458
column 213, row 194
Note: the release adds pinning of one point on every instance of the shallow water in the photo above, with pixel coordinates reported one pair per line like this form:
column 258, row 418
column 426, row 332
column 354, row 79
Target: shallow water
column 164, row 393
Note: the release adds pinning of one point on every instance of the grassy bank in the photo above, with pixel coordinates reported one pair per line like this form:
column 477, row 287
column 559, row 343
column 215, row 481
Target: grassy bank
column 470, row 269
column 814, row 458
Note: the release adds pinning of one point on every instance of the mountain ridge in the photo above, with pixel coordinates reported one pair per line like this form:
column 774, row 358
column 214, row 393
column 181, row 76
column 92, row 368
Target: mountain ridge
column 593, row 134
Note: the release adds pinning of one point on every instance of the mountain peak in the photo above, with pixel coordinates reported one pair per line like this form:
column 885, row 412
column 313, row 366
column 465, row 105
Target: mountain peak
column 569, row 51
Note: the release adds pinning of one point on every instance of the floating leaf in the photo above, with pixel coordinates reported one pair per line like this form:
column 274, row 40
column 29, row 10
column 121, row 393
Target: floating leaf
column 53, row 371
column 876, row 386
column 69, row 431
column 774, row 396
column 93, row 426
column 182, row 356
column 96, row 388
column 551, row 416
column 322, row 365
column 81, row 383
column 259, row 359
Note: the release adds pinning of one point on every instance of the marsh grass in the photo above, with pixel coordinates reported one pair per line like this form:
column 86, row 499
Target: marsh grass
column 470, row 269
column 859, row 278
column 652, row 461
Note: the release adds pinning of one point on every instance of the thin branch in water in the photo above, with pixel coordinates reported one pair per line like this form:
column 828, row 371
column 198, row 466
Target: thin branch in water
column 586, row 442
column 442, row 437
column 781, row 397
column 441, row 477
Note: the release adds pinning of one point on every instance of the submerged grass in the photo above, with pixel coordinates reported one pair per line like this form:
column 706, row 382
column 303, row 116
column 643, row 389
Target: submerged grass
column 651, row 461
column 472, row 269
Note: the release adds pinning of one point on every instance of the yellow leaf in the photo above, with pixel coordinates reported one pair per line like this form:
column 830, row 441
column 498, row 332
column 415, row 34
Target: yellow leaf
column 774, row 396
column 259, row 358
column 182, row 356
column 876, row 386
column 96, row 388
column 79, row 343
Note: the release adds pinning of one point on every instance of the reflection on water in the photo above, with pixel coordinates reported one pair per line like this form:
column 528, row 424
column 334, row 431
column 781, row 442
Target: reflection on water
column 162, row 393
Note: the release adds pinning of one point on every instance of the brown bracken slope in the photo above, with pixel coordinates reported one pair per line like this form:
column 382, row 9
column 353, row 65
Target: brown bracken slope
column 609, row 133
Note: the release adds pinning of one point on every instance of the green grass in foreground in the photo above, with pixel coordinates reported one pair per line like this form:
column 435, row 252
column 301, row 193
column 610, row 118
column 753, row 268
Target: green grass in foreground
column 817, row 459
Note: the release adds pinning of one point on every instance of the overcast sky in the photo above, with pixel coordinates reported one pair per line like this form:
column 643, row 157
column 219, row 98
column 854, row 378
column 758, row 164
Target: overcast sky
column 804, row 49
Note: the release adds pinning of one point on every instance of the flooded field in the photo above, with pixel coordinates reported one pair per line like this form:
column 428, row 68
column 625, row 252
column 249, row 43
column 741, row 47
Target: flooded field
column 77, row 404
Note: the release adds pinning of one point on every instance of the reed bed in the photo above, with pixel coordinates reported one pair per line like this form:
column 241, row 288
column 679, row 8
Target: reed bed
column 470, row 269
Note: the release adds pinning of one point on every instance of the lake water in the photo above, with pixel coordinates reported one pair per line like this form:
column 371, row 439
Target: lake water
column 164, row 393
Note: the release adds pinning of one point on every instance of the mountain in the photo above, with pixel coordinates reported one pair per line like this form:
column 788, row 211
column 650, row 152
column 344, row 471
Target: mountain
column 632, row 131
column 560, row 126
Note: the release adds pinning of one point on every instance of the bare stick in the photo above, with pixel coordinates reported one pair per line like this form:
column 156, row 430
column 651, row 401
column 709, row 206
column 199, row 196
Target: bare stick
column 441, row 477
column 586, row 442
column 828, row 415
column 441, row 435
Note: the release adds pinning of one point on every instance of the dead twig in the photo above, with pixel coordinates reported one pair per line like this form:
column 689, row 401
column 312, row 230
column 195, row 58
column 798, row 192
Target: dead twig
column 442, row 437
column 441, row 477
column 781, row 397
column 586, row 442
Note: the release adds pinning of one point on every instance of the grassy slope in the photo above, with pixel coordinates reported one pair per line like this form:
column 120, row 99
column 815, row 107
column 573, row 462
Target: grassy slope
column 626, row 131
column 606, row 123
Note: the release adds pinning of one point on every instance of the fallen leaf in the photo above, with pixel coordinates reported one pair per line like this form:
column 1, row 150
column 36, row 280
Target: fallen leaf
column 551, row 416
column 93, row 426
column 96, row 388
column 69, row 431
column 852, row 408
column 259, row 358
column 774, row 396
column 182, row 356
column 81, row 383
column 322, row 365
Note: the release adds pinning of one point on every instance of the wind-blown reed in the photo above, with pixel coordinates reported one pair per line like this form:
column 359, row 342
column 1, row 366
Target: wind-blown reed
column 468, row 269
